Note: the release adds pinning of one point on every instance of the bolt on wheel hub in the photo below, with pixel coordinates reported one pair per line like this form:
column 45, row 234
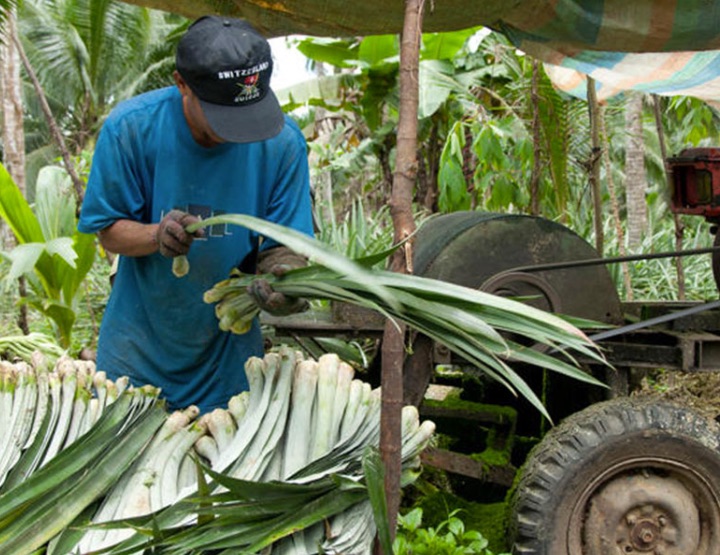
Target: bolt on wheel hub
column 639, row 515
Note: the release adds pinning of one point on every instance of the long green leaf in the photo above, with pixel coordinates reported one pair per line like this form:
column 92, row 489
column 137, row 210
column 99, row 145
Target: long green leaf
column 24, row 258
column 466, row 320
column 306, row 246
column 315, row 511
column 55, row 203
column 16, row 212
column 23, row 535
column 375, row 480
column 69, row 461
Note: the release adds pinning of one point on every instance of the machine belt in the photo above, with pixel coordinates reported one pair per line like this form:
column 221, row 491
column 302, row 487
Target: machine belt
column 653, row 321
column 614, row 260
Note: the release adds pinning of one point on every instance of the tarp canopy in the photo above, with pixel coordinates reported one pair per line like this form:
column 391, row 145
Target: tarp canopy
column 669, row 47
column 662, row 47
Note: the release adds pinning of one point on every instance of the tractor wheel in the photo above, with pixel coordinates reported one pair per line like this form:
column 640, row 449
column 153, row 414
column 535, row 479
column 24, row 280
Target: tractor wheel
column 628, row 476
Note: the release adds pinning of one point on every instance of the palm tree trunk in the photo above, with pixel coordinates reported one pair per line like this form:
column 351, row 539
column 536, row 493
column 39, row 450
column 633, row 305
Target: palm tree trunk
column 393, row 349
column 635, row 175
column 13, row 133
column 615, row 205
column 13, row 136
column 537, row 149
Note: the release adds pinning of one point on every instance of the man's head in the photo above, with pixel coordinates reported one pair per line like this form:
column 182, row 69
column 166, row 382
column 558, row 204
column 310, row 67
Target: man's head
column 227, row 65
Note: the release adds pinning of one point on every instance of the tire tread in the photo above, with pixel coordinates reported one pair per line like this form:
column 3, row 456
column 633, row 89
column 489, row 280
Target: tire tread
column 567, row 446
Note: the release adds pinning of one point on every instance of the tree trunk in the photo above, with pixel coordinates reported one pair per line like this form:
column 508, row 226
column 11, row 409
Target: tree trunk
column 13, row 134
column 537, row 149
column 594, row 166
column 393, row 349
column 635, row 175
column 615, row 205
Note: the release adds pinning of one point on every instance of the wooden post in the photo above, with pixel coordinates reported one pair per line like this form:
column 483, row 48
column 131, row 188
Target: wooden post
column 404, row 176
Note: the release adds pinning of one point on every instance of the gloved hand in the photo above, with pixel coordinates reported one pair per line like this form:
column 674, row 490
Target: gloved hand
column 272, row 301
column 277, row 261
column 171, row 237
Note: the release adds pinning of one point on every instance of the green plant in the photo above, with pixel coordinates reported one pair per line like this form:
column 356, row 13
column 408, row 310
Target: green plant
column 449, row 538
column 292, row 462
column 52, row 255
column 657, row 279
column 467, row 321
column 359, row 234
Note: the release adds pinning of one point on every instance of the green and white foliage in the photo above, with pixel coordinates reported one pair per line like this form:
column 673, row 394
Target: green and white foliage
column 66, row 434
column 472, row 324
column 279, row 470
column 51, row 254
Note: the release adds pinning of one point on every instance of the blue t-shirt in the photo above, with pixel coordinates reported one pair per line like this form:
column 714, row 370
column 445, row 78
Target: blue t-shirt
column 156, row 328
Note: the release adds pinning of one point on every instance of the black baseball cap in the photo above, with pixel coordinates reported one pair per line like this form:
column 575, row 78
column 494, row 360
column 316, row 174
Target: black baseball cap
column 227, row 64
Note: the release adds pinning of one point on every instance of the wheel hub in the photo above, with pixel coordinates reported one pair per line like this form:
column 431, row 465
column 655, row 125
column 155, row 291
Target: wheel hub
column 635, row 515
column 541, row 294
column 645, row 535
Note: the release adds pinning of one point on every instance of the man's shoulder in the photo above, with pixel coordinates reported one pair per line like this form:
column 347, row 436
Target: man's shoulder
column 143, row 105
column 290, row 133
column 291, row 126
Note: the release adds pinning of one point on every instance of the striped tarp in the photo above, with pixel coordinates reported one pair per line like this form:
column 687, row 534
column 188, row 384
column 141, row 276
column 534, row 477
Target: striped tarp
column 667, row 47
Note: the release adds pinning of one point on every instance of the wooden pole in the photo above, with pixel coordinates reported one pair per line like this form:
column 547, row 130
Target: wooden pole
column 679, row 227
column 404, row 176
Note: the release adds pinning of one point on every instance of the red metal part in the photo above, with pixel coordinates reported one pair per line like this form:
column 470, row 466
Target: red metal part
column 695, row 182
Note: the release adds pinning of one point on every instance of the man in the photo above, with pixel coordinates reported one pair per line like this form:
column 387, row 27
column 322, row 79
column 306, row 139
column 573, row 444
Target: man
column 216, row 143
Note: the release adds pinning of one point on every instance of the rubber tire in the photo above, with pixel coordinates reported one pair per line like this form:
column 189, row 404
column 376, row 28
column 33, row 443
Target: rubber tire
column 554, row 480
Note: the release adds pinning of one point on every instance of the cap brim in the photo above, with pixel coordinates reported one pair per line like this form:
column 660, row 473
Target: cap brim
column 257, row 122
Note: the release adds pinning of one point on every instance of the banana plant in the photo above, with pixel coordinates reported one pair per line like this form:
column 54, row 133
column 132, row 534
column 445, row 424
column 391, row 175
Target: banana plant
column 364, row 94
column 52, row 255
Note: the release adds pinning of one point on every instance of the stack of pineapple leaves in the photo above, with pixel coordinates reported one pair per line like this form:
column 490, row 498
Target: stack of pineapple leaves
column 66, row 434
column 289, row 467
column 469, row 322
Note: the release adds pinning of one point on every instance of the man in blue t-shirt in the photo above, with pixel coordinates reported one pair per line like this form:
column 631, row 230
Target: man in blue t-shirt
column 216, row 143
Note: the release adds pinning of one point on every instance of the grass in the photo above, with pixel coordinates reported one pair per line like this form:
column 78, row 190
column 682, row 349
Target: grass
column 657, row 279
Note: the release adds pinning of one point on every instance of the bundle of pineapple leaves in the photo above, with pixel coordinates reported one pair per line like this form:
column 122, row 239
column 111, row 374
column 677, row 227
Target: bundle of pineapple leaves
column 485, row 330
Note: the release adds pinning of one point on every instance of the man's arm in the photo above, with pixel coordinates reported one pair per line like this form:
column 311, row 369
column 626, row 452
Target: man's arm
column 130, row 238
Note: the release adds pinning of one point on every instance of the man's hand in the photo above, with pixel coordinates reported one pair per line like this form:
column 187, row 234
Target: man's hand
column 171, row 237
column 272, row 301
column 277, row 261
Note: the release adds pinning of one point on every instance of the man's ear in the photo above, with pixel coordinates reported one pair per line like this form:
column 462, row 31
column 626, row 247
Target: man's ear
column 180, row 82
